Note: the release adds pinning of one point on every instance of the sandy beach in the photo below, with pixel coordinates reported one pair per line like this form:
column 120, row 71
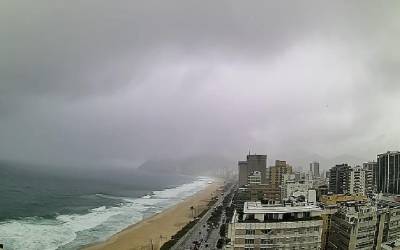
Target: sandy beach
column 158, row 229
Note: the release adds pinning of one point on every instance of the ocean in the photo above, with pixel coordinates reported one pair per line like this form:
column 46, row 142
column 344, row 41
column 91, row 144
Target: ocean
column 56, row 211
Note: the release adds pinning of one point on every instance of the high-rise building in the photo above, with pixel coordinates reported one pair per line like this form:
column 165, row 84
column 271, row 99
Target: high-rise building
column 339, row 181
column 357, row 181
column 252, row 164
column 276, row 172
column 314, row 169
column 243, row 173
column 261, row 226
column 254, row 178
column 344, row 179
column 369, row 168
column 330, row 205
column 353, row 227
column 387, row 173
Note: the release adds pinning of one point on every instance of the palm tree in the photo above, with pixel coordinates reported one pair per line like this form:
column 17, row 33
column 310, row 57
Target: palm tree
column 192, row 209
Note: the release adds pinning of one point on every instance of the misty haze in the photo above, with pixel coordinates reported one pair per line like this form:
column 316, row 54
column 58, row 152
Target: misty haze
column 176, row 120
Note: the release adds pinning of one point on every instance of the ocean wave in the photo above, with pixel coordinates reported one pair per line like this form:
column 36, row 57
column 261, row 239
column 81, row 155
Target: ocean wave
column 71, row 231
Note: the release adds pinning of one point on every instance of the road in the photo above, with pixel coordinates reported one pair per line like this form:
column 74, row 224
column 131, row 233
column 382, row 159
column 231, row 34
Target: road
column 213, row 235
column 199, row 231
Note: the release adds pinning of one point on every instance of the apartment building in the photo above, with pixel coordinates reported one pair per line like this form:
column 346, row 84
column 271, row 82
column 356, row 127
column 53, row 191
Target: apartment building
column 253, row 163
column 344, row 179
column 290, row 186
column 390, row 210
column 369, row 168
column 254, row 178
column 353, row 227
column 339, row 181
column 277, row 172
column 261, row 227
column 330, row 205
column 357, row 181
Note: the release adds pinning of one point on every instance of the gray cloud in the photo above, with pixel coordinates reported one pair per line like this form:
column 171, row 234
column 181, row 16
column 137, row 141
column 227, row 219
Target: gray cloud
column 121, row 82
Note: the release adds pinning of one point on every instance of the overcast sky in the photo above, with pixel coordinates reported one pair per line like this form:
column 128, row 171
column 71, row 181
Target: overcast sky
column 120, row 82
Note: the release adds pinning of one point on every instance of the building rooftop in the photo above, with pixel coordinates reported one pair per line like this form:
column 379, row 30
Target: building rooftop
column 389, row 152
column 256, row 207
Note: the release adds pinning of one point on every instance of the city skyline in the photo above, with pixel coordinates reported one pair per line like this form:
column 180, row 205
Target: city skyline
column 126, row 125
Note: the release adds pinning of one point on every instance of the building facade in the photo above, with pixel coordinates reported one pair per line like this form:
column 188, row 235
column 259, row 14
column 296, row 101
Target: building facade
column 390, row 210
column 243, row 173
column 387, row 173
column 330, row 205
column 264, row 227
column 254, row 178
column 290, row 187
column 369, row 168
column 339, row 181
column 253, row 163
column 277, row 172
column 357, row 181
column 314, row 169
column 353, row 227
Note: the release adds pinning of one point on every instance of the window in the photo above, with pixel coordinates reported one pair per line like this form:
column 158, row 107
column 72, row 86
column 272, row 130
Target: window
column 266, row 231
column 264, row 241
column 249, row 241
column 250, row 231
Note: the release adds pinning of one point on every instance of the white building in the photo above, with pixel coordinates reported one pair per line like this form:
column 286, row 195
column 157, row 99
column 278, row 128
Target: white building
column 369, row 168
column 254, row 178
column 276, row 227
column 356, row 177
column 353, row 227
column 291, row 186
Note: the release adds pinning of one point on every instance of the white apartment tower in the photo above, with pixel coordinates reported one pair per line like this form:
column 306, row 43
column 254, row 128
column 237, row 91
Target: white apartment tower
column 264, row 227
column 357, row 181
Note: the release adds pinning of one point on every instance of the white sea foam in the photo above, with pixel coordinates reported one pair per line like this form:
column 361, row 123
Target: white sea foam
column 73, row 231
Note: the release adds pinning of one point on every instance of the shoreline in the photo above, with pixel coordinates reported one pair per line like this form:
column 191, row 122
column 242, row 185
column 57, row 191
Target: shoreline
column 158, row 228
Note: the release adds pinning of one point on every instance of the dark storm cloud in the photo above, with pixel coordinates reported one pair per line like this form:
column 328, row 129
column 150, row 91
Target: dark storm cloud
column 120, row 82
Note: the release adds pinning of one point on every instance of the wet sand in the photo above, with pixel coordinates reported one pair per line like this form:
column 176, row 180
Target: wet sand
column 151, row 233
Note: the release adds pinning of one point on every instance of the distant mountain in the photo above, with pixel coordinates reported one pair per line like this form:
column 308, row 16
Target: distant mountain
column 196, row 165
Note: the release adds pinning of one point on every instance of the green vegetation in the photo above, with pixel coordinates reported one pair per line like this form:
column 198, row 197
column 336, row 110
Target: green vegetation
column 174, row 239
column 178, row 235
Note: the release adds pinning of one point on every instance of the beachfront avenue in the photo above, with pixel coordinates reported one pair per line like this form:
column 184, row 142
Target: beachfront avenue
column 205, row 233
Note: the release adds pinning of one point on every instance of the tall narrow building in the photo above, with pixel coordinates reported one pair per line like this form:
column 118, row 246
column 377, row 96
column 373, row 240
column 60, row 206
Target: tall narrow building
column 276, row 172
column 243, row 176
column 357, row 181
column 369, row 168
column 254, row 163
column 339, row 181
column 314, row 168
column 387, row 173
